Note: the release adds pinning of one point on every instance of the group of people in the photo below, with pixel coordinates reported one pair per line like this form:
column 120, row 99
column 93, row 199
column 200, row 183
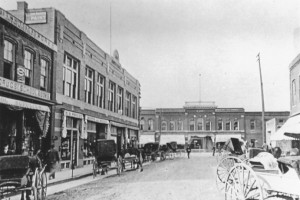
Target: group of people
column 52, row 159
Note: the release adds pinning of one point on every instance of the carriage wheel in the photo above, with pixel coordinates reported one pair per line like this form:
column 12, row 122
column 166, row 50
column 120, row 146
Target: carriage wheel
column 42, row 186
column 95, row 169
column 242, row 183
column 119, row 165
column 223, row 169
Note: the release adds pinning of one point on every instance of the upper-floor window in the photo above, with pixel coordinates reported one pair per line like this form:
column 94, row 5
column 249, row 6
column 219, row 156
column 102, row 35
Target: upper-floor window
column 44, row 74
column 28, row 64
column 192, row 124
column 150, row 124
column 227, row 126
column 8, row 59
column 120, row 100
column 208, row 125
column 142, row 124
column 220, row 124
column 70, row 77
column 88, row 85
column 100, row 91
column 294, row 92
column 179, row 125
column 111, row 96
column 200, row 124
column 172, row 125
column 163, row 125
column 252, row 124
column 134, row 108
column 127, row 104
column 236, row 125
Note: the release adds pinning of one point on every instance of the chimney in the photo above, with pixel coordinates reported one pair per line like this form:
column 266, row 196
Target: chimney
column 22, row 6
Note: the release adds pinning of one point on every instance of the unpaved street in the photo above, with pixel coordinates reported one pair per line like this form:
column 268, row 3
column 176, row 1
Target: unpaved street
column 180, row 178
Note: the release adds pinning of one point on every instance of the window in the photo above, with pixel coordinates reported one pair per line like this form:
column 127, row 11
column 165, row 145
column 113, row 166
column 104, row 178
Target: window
column 220, row 124
column 111, row 96
column 227, row 126
column 150, row 124
column 8, row 59
column 142, row 123
column 236, row 125
column 44, row 72
column 127, row 105
column 294, row 92
column 192, row 124
column 172, row 126
column 252, row 124
column 163, row 125
column 179, row 125
column 70, row 77
column 208, row 125
column 100, row 91
column 28, row 64
column 200, row 124
column 120, row 100
column 134, row 109
column 88, row 85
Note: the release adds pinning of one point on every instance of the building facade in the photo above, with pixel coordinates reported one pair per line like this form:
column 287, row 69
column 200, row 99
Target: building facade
column 96, row 98
column 201, row 125
column 26, row 86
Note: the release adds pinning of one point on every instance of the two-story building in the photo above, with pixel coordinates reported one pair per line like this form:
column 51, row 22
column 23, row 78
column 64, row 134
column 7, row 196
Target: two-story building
column 96, row 98
column 27, row 65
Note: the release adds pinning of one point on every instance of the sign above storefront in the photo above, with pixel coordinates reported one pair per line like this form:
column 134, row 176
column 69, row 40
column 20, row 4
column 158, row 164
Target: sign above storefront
column 73, row 114
column 36, row 18
column 97, row 120
column 25, row 89
column 23, row 104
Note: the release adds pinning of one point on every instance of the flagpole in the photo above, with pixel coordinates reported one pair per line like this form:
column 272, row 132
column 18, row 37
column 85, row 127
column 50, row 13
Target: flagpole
column 262, row 100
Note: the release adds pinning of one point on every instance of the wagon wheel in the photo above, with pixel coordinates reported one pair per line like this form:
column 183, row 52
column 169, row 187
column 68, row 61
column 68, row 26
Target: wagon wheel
column 243, row 184
column 119, row 165
column 42, row 186
column 223, row 169
column 95, row 168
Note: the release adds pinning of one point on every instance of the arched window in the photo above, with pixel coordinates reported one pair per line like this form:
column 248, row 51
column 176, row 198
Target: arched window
column 172, row 125
column 220, row 124
column 150, row 124
column 142, row 123
column 199, row 124
column 179, row 125
column 208, row 125
column 163, row 125
column 192, row 124
column 236, row 125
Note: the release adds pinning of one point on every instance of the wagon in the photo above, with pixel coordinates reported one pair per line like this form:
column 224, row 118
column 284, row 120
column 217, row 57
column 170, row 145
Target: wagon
column 24, row 174
column 133, row 156
column 105, row 157
column 151, row 151
column 169, row 150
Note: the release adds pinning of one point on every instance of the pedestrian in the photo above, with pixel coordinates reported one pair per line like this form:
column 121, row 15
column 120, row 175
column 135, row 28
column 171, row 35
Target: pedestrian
column 6, row 150
column 53, row 160
column 214, row 150
column 188, row 150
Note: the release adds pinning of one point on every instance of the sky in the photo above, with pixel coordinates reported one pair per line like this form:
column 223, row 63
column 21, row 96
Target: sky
column 194, row 50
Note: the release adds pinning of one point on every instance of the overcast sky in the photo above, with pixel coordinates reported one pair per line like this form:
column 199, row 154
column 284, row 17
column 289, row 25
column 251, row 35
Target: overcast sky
column 166, row 44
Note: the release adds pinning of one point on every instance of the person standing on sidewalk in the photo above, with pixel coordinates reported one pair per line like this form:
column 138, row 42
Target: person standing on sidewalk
column 53, row 161
column 188, row 150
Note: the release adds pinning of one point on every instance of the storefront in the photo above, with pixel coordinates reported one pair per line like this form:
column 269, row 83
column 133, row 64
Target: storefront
column 23, row 125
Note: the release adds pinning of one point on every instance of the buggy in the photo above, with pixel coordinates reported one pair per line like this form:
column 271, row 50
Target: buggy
column 151, row 151
column 22, row 173
column 133, row 156
column 105, row 157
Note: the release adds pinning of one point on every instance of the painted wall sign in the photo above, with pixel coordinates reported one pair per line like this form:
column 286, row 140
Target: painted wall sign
column 36, row 18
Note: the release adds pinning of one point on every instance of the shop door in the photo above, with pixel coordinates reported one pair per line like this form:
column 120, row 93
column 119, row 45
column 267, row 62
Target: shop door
column 74, row 148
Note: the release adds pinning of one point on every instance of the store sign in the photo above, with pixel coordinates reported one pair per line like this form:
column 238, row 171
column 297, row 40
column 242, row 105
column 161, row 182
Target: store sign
column 25, row 28
column 25, row 89
column 73, row 114
column 21, row 74
column 36, row 18
column 23, row 104
column 97, row 120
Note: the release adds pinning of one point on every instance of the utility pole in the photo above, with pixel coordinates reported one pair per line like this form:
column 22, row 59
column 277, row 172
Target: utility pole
column 262, row 100
column 200, row 89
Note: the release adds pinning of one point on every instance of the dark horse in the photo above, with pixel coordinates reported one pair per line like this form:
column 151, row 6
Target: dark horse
column 132, row 155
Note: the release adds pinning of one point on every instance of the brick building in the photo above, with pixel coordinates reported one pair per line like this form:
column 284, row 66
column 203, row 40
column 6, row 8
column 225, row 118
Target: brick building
column 26, row 86
column 96, row 97
column 202, row 124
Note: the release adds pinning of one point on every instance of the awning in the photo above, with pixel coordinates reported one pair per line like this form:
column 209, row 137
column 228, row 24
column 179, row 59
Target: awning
column 23, row 104
column 146, row 138
column 290, row 127
column 124, row 125
column 225, row 137
column 164, row 139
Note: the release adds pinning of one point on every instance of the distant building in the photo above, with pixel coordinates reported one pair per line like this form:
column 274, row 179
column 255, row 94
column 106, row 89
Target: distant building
column 202, row 124
column 96, row 98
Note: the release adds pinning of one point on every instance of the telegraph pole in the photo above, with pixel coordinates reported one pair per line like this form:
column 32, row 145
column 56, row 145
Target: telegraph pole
column 262, row 100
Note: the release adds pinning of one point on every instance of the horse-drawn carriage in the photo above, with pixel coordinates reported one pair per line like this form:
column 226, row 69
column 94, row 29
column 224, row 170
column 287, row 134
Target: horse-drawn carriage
column 168, row 150
column 105, row 157
column 133, row 156
column 151, row 151
column 22, row 173
column 261, row 177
